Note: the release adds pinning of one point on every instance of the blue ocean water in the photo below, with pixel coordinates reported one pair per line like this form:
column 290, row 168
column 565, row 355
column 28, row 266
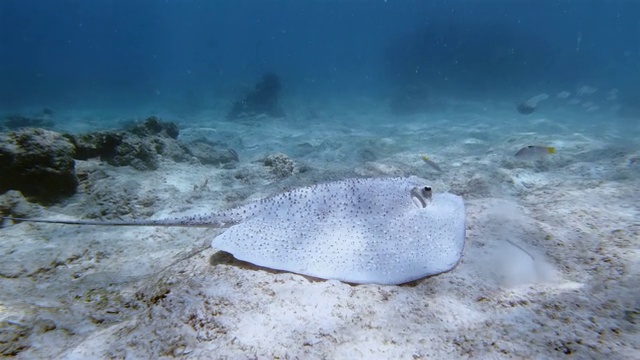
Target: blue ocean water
column 527, row 109
column 120, row 54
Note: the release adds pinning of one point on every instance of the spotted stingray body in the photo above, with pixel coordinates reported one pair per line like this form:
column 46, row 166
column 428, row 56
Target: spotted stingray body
column 353, row 230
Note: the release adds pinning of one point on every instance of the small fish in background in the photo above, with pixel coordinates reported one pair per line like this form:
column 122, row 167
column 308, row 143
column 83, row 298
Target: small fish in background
column 589, row 106
column 234, row 154
column 525, row 109
column 587, row 90
column 529, row 106
column 533, row 151
column 563, row 95
column 574, row 102
column 431, row 163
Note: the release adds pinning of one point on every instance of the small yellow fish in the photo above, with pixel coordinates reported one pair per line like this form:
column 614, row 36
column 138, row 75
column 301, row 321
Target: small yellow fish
column 430, row 163
column 533, row 151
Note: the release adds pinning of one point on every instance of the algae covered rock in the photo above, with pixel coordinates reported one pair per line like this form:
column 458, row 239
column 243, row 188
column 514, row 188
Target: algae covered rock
column 13, row 203
column 140, row 147
column 100, row 144
column 154, row 126
column 281, row 165
column 39, row 163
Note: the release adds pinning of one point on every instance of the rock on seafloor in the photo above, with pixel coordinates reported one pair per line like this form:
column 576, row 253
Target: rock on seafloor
column 39, row 163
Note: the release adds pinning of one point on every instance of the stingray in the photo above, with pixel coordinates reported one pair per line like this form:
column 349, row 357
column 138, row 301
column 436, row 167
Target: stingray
column 374, row 230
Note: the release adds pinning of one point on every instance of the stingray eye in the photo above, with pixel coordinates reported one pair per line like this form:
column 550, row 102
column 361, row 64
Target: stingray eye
column 426, row 193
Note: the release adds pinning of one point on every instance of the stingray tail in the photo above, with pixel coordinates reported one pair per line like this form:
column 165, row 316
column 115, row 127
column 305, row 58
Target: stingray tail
column 211, row 222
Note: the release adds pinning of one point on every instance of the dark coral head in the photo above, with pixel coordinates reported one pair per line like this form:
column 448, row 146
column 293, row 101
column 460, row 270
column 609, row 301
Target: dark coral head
column 270, row 82
column 525, row 109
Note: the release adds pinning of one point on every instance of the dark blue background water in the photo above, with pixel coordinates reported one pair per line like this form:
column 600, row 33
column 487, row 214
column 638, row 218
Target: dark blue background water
column 103, row 53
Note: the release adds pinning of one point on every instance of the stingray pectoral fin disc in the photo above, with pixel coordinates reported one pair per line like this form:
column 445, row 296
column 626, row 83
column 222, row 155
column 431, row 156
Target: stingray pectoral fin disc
column 355, row 230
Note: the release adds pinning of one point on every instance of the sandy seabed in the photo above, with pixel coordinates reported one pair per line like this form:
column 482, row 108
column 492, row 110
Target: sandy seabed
column 551, row 265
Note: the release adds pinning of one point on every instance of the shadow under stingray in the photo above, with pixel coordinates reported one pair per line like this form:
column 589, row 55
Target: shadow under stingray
column 224, row 258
